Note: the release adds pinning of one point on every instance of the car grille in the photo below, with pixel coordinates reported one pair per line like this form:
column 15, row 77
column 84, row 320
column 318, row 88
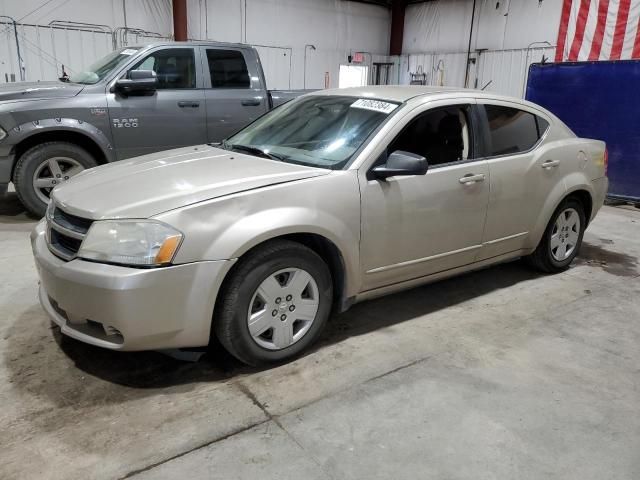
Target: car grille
column 65, row 233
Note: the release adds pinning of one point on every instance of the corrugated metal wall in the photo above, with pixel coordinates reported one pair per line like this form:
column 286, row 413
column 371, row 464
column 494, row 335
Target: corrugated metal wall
column 500, row 71
column 505, row 71
column 282, row 29
column 44, row 49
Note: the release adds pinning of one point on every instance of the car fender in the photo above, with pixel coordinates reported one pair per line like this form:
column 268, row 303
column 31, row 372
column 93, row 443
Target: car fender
column 28, row 129
column 228, row 227
column 570, row 183
column 260, row 227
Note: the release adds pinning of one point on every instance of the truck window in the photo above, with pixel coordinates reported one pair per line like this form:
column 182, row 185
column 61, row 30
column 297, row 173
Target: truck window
column 175, row 67
column 227, row 69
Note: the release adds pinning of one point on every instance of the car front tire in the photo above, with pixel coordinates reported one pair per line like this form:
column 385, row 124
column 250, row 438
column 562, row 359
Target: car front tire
column 275, row 303
column 562, row 238
column 41, row 168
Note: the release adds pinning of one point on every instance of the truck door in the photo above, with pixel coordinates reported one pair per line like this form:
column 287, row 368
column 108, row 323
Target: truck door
column 234, row 90
column 173, row 116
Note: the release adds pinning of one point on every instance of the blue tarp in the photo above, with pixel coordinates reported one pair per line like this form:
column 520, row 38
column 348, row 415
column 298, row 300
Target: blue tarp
column 598, row 100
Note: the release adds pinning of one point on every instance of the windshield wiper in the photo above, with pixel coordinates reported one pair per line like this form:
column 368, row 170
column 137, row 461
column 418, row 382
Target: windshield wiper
column 252, row 150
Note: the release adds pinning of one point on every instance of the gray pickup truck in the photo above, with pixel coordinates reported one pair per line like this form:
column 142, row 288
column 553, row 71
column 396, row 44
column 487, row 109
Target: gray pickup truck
column 136, row 100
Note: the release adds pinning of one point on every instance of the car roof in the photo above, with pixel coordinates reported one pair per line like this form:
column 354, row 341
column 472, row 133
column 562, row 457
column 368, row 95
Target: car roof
column 402, row 93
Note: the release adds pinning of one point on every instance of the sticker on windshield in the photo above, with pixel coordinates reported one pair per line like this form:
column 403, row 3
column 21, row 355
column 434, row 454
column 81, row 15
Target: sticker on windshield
column 375, row 105
column 128, row 51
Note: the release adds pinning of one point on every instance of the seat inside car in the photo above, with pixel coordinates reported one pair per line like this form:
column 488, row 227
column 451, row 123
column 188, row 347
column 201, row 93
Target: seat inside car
column 437, row 136
column 449, row 145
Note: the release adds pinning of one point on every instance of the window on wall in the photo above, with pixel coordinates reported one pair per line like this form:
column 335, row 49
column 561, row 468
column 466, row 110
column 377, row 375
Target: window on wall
column 228, row 69
column 174, row 67
column 441, row 136
column 512, row 130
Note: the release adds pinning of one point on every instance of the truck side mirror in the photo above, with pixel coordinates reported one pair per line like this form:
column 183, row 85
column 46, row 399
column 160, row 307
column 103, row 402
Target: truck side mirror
column 137, row 81
column 401, row 163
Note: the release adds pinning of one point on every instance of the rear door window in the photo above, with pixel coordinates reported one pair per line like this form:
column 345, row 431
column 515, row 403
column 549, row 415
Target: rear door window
column 511, row 130
column 228, row 69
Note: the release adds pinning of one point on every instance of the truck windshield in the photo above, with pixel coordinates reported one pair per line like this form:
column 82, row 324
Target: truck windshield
column 101, row 68
column 318, row 131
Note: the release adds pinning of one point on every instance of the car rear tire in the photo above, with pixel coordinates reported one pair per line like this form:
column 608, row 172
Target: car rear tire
column 275, row 303
column 562, row 238
column 43, row 167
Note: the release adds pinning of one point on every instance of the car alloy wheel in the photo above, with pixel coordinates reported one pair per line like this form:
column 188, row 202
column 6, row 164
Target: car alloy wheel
column 51, row 173
column 283, row 308
column 565, row 234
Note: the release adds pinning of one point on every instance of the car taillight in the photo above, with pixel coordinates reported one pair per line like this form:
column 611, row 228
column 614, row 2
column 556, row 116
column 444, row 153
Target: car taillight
column 606, row 160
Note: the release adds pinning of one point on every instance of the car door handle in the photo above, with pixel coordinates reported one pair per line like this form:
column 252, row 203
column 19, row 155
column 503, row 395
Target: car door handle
column 251, row 102
column 550, row 164
column 471, row 178
column 185, row 104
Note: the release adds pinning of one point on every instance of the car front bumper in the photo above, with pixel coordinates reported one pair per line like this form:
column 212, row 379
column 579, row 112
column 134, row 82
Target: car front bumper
column 123, row 308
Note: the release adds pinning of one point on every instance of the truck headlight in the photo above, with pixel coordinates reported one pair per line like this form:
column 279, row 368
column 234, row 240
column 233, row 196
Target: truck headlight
column 3, row 134
column 144, row 243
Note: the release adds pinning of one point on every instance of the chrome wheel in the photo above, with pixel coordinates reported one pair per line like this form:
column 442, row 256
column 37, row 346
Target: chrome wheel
column 283, row 308
column 565, row 234
column 53, row 172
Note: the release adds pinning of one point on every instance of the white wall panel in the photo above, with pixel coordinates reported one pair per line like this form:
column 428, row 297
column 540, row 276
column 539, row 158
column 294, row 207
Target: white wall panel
column 505, row 71
column 500, row 71
column 443, row 25
column 276, row 63
column 45, row 49
column 282, row 28
column 152, row 15
column 335, row 27
column 437, row 26
column 436, row 37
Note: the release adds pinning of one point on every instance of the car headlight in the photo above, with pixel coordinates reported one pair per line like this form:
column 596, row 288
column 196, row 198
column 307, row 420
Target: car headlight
column 143, row 243
column 3, row 134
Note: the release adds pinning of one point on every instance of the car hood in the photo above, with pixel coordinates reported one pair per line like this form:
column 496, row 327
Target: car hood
column 152, row 184
column 38, row 90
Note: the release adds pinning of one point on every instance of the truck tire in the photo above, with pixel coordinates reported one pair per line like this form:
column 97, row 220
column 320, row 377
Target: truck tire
column 43, row 167
column 275, row 303
column 562, row 238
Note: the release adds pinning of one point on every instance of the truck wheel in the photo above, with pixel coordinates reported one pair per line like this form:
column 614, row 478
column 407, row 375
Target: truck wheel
column 275, row 303
column 45, row 166
column 562, row 238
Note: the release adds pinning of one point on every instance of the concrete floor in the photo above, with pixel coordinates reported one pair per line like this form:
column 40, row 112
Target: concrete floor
column 499, row 374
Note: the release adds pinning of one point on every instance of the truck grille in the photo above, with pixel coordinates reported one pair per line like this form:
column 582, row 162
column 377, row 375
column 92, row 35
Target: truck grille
column 65, row 233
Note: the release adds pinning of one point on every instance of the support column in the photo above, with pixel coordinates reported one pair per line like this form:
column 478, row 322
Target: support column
column 397, row 26
column 180, row 20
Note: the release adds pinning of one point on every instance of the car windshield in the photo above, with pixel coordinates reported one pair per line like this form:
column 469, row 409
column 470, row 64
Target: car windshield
column 100, row 69
column 318, row 131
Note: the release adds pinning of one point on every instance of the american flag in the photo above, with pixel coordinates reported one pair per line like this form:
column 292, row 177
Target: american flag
column 599, row 30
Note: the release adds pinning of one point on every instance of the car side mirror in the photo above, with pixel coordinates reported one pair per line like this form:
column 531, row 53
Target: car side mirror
column 137, row 81
column 401, row 163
